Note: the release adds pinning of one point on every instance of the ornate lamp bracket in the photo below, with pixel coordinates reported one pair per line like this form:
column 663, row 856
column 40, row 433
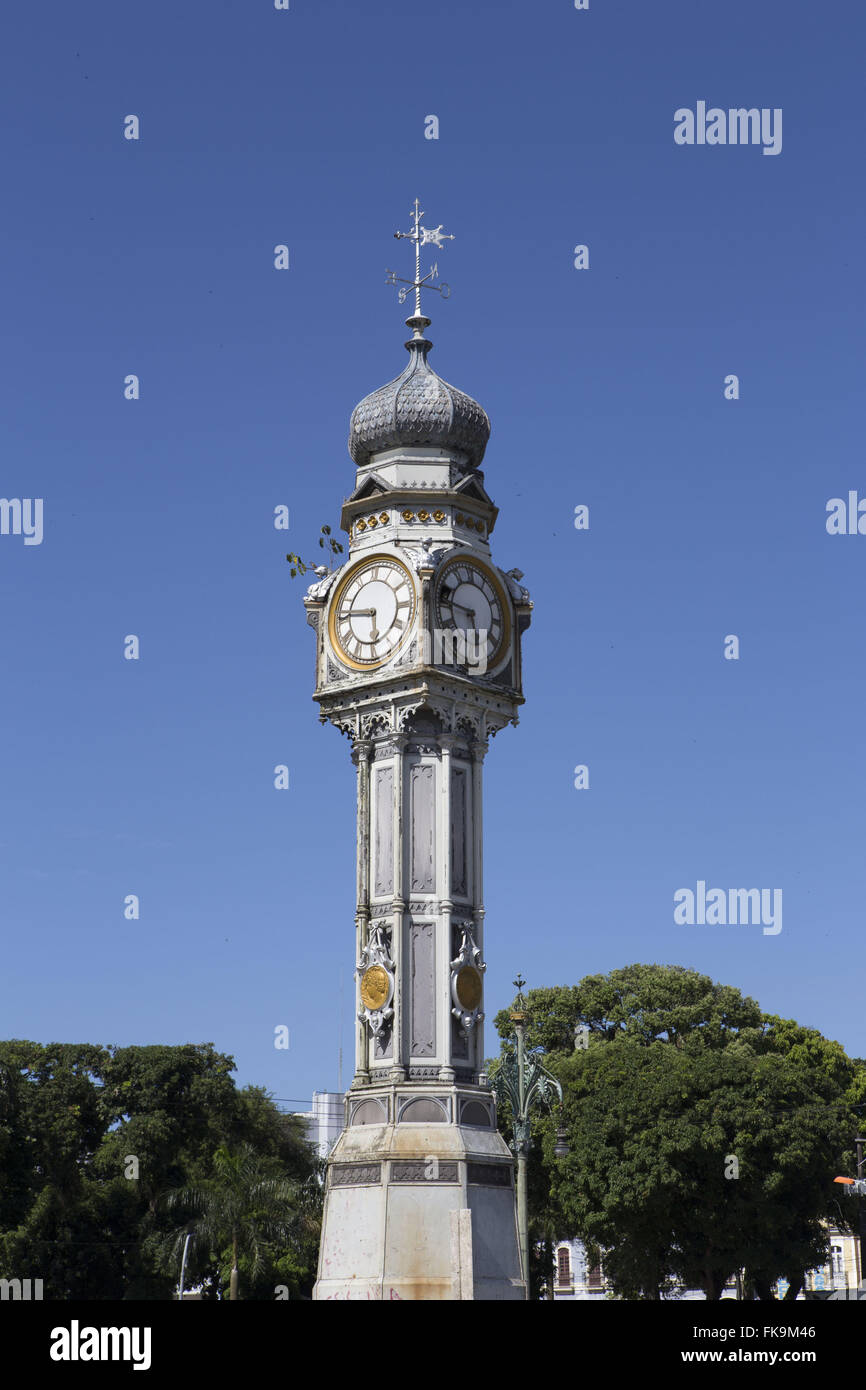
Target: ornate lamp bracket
column 539, row 1088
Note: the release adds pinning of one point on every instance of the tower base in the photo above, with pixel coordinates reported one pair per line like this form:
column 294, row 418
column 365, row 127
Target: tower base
column 417, row 1211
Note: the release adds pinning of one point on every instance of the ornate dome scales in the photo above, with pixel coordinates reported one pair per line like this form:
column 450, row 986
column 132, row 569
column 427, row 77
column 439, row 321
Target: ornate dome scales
column 418, row 408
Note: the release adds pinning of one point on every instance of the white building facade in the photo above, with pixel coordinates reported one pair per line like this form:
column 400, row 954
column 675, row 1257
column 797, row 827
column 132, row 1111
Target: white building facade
column 576, row 1277
column 324, row 1121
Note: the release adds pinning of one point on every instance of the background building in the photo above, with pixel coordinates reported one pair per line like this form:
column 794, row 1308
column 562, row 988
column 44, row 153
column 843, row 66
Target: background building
column 575, row 1276
column 324, row 1121
column 842, row 1271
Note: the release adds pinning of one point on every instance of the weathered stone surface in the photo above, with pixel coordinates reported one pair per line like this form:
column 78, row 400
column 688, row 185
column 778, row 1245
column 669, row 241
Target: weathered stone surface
column 354, row 1174
column 411, row 1236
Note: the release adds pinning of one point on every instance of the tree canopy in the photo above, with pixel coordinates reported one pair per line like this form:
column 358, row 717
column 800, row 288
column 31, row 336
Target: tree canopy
column 93, row 1138
column 704, row 1134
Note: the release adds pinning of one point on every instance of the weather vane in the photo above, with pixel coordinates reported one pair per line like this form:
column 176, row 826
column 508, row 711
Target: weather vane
column 422, row 236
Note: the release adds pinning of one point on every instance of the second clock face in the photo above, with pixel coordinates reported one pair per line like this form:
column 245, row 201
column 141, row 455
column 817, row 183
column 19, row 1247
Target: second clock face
column 470, row 599
column 372, row 612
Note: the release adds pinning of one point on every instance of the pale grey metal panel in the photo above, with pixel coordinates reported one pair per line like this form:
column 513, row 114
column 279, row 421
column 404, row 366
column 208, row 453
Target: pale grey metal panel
column 383, row 880
column 459, row 783
column 423, row 990
column 383, row 1045
column 423, row 820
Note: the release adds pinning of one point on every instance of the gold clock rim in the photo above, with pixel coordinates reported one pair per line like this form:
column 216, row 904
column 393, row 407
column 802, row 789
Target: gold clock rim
column 336, row 646
column 504, row 603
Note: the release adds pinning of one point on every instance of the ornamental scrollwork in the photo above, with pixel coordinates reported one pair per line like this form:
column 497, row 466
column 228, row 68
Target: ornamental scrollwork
column 376, row 975
column 539, row 1087
column 467, row 970
column 375, row 725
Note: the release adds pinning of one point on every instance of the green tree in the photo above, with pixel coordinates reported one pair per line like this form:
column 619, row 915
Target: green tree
column 683, row 1084
column 55, row 1219
column 242, row 1207
column 89, row 1139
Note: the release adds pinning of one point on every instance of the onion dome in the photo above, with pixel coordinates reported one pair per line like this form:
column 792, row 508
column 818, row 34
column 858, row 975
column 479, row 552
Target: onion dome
column 419, row 408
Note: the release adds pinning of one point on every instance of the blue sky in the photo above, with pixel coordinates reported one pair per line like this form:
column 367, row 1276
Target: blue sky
column 604, row 388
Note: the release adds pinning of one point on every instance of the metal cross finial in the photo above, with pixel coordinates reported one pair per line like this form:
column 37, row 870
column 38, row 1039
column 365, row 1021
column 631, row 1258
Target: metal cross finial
column 421, row 236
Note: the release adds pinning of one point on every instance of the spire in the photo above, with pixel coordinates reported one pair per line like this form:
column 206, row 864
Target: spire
column 418, row 408
column 420, row 236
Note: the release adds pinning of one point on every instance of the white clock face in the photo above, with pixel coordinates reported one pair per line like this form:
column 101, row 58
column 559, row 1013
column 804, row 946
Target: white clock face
column 372, row 612
column 470, row 600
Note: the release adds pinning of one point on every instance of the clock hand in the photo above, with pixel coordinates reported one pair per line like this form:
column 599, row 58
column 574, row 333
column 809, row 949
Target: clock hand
column 464, row 609
column 365, row 613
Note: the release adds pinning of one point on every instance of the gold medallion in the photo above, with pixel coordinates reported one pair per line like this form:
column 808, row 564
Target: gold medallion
column 375, row 988
column 467, row 987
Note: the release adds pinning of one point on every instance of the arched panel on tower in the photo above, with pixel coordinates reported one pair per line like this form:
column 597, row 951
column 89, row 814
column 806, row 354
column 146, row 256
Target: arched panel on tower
column 369, row 1112
column 424, row 1110
column 477, row 1114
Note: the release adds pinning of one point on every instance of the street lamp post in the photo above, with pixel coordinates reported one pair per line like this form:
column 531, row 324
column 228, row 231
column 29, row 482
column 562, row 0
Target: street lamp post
column 183, row 1265
column 522, row 1141
column 861, row 1187
column 524, row 1082
column 856, row 1187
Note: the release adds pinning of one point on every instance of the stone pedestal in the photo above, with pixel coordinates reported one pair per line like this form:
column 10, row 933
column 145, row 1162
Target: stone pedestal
column 420, row 1207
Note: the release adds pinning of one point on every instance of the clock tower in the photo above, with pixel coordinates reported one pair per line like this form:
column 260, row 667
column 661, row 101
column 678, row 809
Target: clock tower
column 418, row 661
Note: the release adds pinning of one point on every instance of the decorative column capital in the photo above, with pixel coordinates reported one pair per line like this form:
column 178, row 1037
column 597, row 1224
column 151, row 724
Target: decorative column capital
column 361, row 751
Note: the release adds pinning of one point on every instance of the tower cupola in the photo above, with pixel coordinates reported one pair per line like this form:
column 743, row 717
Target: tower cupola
column 419, row 408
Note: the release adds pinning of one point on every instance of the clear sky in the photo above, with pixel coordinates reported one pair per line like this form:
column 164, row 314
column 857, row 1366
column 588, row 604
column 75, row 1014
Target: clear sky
column 605, row 387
